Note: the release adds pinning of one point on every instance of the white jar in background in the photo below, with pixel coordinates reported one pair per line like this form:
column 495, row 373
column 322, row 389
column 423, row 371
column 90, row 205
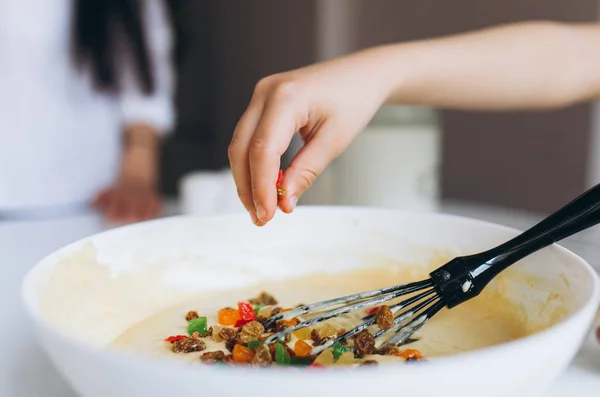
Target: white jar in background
column 209, row 193
column 393, row 163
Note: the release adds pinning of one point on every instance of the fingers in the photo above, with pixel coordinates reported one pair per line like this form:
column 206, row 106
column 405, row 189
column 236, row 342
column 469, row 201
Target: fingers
column 125, row 205
column 308, row 164
column 273, row 134
column 238, row 154
column 102, row 199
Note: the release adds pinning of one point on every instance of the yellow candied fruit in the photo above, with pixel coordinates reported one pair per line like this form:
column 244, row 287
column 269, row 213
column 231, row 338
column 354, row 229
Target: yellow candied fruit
column 302, row 333
column 345, row 359
column 325, row 358
column 266, row 311
column 328, row 331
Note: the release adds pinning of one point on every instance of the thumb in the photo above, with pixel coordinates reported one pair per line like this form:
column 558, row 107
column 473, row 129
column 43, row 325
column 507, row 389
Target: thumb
column 304, row 169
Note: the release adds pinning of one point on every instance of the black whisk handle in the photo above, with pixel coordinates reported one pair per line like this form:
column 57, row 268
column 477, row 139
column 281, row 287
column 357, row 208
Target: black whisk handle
column 465, row 277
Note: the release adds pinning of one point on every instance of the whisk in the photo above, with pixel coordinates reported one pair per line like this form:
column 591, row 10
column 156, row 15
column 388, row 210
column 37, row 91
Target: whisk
column 458, row 281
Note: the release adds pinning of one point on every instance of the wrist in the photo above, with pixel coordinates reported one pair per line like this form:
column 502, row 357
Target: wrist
column 395, row 72
column 140, row 159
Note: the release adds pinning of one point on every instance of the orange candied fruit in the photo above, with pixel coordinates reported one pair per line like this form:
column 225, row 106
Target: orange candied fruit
column 229, row 317
column 411, row 354
column 289, row 323
column 285, row 310
column 241, row 354
column 302, row 349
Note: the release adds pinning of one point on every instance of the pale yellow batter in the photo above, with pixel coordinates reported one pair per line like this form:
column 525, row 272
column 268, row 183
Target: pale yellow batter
column 485, row 321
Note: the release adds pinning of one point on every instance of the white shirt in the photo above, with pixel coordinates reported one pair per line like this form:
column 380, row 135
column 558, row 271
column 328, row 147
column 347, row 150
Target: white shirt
column 60, row 140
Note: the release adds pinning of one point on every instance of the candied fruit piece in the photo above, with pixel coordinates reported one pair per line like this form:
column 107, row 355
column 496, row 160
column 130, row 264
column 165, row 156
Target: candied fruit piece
column 302, row 348
column 241, row 354
column 411, row 354
column 246, row 311
column 338, row 350
column 328, row 331
column 282, row 356
column 325, row 358
column 265, row 311
column 302, row 333
column 289, row 323
column 346, row 358
column 198, row 324
column 229, row 317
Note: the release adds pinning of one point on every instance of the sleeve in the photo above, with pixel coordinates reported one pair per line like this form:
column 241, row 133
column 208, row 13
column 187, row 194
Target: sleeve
column 156, row 109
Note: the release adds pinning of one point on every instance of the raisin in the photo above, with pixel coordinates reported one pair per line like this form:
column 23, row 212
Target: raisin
column 230, row 344
column 251, row 331
column 212, row 357
column 411, row 359
column 280, row 326
column 275, row 311
column 364, row 343
column 228, row 359
column 192, row 314
column 369, row 363
column 188, row 345
column 389, row 350
column 228, row 334
column 316, row 338
column 261, row 319
column 264, row 298
column 384, row 317
column 262, row 356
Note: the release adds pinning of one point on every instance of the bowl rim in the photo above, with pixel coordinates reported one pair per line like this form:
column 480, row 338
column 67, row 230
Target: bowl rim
column 591, row 305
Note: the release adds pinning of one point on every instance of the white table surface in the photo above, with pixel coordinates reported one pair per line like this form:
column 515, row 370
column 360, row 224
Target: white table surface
column 26, row 372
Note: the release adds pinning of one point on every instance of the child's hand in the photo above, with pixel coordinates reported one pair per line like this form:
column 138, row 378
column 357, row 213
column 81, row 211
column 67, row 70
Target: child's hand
column 328, row 103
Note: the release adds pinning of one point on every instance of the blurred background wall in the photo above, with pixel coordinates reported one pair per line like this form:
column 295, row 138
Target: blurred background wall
column 534, row 161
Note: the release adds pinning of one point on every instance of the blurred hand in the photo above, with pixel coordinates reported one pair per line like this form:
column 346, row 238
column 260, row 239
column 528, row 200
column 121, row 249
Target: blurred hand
column 327, row 103
column 134, row 196
column 128, row 201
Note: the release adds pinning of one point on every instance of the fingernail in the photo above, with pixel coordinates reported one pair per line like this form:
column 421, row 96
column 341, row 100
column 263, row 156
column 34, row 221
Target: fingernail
column 261, row 213
column 293, row 201
column 253, row 217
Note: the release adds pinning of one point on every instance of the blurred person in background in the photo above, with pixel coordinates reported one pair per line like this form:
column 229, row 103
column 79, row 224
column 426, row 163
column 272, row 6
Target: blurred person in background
column 85, row 95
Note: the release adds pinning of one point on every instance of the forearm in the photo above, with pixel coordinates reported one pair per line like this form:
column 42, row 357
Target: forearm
column 140, row 161
column 521, row 66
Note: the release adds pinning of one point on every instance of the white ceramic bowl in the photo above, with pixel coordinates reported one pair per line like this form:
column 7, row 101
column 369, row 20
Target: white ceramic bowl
column 312, row 239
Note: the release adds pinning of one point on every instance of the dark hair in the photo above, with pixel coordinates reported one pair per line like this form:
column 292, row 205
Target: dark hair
column 97, row 26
